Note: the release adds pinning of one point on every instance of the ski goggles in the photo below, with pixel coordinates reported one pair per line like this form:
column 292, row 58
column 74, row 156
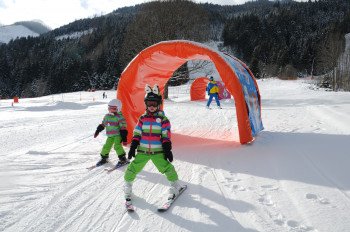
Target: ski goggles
column 112, row 107
column 151, row 103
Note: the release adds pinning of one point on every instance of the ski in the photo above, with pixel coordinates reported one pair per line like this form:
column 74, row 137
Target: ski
column 95, row 166
column 129, row 206
column 90, row 168
column 118, row 165
column 169, row 202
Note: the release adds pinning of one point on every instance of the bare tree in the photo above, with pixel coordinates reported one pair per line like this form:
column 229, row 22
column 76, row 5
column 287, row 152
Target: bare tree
column 182, row 74
column 343, row 67
column 329, row 52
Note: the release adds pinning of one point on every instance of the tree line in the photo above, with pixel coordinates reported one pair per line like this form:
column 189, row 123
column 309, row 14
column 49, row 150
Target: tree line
column 273, row 38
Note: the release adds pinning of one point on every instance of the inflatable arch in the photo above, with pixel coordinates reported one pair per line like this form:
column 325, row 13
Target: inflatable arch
column 197, row 91
column 199, row 86
column 157, row 63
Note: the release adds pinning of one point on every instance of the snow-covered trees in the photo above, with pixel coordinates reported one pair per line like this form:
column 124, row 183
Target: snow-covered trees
column 164, row 20
column 289, row 35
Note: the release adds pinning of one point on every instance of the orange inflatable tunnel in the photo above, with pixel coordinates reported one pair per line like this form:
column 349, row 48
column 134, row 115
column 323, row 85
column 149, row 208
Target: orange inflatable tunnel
column 197, row 91
column 157, row 63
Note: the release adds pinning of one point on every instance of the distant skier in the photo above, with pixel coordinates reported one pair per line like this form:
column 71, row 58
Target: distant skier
column 151, row 138
column 115, row 125
column 213, row 92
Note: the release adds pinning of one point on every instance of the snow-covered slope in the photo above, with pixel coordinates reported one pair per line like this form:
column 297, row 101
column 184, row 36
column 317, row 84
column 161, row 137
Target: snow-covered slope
column 294, row 177
column 75, row 35
column 37, row 26
column 13, row 31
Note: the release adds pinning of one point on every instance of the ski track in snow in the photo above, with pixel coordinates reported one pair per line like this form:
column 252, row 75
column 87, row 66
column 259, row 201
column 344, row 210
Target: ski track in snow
column 294, row 177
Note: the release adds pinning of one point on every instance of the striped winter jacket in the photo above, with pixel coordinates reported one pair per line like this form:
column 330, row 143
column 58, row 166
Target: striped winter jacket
column 114, row 123
column 151, row 131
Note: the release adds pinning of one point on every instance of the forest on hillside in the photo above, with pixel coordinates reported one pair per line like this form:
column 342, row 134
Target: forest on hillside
column 275, row 38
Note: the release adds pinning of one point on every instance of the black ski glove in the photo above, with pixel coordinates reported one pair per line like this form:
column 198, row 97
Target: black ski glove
column 98, row 130
column 124, row 135
column 133, row 146
column 167, row 151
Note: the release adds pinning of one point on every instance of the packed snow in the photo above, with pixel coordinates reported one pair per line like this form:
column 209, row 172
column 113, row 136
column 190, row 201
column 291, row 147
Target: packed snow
column 293, row 177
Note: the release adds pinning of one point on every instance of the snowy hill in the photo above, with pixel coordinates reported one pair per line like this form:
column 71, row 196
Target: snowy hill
column 13, row 31
column 22, row 29
column 36, row 26
column 294, row 177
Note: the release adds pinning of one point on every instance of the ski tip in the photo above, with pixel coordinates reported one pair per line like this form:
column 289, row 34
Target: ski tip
column 183, row 188
column 90, row 168
column 166, row 206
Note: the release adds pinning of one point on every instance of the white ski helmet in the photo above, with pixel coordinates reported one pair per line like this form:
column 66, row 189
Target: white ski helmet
column 115, row 102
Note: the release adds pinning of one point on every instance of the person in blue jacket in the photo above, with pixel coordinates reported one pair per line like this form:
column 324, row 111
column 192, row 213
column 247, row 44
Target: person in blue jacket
column 213, row 92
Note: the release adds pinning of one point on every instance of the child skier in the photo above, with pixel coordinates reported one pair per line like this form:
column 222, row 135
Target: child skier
column 213, row 92
column 151, row 138
column 115, row 125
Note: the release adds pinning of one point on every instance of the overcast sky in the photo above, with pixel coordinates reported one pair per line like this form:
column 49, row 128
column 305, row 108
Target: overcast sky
column 56, row 13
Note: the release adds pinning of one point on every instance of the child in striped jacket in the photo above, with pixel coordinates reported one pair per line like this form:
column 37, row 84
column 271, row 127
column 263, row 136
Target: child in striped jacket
column 115, row 125
column 152, row 141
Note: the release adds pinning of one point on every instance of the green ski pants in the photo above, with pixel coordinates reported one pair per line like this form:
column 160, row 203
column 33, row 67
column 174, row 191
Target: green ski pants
column 117, row 146
column 141, row 159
